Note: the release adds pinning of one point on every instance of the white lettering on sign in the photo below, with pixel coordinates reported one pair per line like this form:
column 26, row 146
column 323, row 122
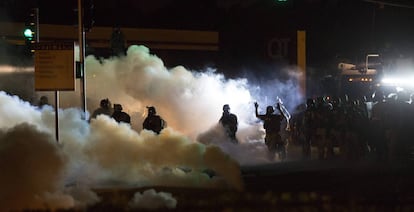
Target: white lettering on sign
column 278, row 48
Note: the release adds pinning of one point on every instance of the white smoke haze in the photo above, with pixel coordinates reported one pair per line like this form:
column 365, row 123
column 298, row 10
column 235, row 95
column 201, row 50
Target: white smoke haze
column 32, row 170
column 103, row 153
column 188, row 101
column 151, row 199
column 249, row 151
column 82, row 196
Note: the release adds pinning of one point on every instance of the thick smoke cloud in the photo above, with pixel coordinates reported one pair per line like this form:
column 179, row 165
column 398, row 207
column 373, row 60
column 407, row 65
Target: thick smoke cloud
column 40, row 172
column 103, row 153
column 32, row 169
column 151, row 200
column 189, row 101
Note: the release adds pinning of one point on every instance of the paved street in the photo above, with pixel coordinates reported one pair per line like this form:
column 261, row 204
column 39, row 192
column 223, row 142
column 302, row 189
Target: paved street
column 299, row 186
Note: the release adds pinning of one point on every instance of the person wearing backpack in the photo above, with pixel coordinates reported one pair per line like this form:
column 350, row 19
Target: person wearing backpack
column 153, row 121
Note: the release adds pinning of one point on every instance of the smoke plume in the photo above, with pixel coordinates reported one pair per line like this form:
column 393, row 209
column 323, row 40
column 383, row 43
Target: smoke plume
column 192, row 151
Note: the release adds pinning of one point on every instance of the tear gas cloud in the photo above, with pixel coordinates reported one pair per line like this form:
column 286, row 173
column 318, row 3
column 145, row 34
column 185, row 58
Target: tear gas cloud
column 103, row 153
column 38, row 172
column 189, row 101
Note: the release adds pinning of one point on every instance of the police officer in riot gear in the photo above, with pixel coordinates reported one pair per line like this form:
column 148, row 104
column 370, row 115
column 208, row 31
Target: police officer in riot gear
column 119, row 115
column 153, row 121
column 105, row 108
column 229, row 122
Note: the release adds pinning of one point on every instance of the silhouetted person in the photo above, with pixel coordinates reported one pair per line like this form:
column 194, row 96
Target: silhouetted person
column 43, row 101
column 229, row 122
column 117, row 42
column 271, row 124
column 119, row 115
column 309, row 128
column 379, row 123
column 104, row 108
column 153, row 121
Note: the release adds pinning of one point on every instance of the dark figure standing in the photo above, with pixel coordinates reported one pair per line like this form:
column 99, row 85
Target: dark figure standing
column 271, row 124
column 309, row 128
column 117, row 42
column 153, row 121
column 43, row 101
column 229, row 122
column 104, row 108
column 119, row 115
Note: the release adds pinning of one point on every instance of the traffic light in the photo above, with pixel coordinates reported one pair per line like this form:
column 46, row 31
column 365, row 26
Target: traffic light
column 31, row 30
column 283, row 3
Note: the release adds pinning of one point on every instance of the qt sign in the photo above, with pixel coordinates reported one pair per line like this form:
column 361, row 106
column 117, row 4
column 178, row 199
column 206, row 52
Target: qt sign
column 278, row 48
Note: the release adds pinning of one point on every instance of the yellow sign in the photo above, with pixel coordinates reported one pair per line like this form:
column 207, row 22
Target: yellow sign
column 54, row 66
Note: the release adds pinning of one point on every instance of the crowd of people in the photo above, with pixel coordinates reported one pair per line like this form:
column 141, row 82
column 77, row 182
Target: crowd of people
column 337, row 128
column 379, row 128
column 152, row 122
column 228, row 120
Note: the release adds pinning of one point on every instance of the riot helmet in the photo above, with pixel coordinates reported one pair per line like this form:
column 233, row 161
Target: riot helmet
column 151, row 110
column 117, row 107
column 226, row 107
column 104, row 103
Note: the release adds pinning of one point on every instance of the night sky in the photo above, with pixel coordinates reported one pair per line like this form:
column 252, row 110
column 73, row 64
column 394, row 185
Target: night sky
column 336, row 29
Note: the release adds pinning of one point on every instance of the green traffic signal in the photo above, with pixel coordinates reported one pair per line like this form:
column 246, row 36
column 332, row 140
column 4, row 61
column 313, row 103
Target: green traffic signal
column 31, row 30
column 28, row 34
column 283, row 3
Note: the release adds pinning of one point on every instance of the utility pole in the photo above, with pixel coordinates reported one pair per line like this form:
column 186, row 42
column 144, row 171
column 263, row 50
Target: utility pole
column 81, row 41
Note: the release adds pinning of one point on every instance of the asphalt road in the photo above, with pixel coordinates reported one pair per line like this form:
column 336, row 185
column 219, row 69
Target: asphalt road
column 295, row 186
